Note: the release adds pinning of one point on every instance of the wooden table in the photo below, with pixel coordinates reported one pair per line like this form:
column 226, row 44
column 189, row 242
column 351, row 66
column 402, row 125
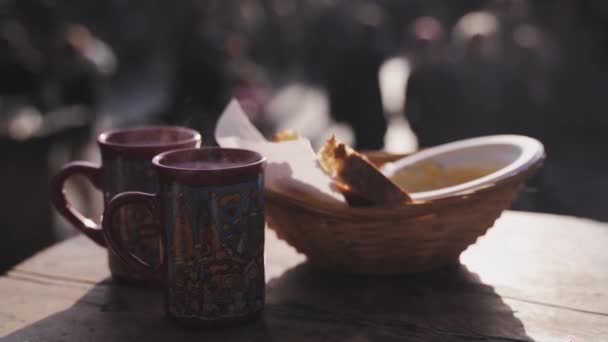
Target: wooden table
column 532, row 277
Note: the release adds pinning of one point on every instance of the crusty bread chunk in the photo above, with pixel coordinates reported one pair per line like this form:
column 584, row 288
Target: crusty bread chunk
column 358, row 179
column 286, row 135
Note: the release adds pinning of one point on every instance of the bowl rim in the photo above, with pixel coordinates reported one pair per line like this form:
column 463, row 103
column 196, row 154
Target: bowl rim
column 532, row 151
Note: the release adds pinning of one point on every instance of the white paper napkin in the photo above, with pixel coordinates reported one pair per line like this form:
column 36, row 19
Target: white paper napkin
column 292, row 166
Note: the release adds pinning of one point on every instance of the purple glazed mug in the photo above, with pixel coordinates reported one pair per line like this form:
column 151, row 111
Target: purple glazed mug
column 210, row 205
column 126, row 165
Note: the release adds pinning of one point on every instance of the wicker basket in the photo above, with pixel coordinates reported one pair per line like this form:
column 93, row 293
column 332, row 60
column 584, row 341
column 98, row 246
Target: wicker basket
column 419, row 237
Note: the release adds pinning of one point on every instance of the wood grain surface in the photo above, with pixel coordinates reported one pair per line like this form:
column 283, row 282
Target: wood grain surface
column 532, row 277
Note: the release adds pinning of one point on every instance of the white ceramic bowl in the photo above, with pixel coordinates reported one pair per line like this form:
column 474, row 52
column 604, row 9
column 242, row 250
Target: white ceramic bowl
column 508, row 154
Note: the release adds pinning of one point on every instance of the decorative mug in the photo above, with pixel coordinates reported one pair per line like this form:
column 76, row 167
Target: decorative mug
column 210, row 205
column 126, row 165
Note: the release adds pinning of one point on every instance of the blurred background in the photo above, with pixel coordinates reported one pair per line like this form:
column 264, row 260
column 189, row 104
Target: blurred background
column 381, row 74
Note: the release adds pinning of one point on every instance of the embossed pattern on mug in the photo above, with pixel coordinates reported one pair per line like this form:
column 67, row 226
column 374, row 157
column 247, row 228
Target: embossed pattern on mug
column 215, row 240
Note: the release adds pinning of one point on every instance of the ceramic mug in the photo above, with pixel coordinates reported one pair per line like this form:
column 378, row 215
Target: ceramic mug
column 126, row 165
column 210, row 205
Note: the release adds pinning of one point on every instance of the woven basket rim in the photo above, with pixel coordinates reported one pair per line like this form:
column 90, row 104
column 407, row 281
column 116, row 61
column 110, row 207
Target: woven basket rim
column 337, row 210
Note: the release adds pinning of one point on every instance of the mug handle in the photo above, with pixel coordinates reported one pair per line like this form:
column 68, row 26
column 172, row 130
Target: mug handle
column 94, row 174
column 112, row 236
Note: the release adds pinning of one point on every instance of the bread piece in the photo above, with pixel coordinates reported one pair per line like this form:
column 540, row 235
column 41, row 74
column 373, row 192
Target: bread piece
column 352, row 198
column 286, row 135
column 357, row 178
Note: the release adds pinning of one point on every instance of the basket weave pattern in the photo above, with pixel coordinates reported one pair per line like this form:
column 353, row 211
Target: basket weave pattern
column 418, row 237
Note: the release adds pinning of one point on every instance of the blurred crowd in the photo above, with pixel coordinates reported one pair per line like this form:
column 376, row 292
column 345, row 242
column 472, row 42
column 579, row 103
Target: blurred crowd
column 478, row 67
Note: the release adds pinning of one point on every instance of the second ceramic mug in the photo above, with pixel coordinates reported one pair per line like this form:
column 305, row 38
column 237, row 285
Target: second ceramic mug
column 210, row 204
column 126, row 166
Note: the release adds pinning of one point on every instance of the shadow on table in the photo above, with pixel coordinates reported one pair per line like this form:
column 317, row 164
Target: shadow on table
column 446, row 305
column 111, row 312
column 303, row 304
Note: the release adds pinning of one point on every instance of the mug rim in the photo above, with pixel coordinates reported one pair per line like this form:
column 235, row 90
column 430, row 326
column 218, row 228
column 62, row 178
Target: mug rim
column 201, row 177
column 103, row 138
column 157, row 160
